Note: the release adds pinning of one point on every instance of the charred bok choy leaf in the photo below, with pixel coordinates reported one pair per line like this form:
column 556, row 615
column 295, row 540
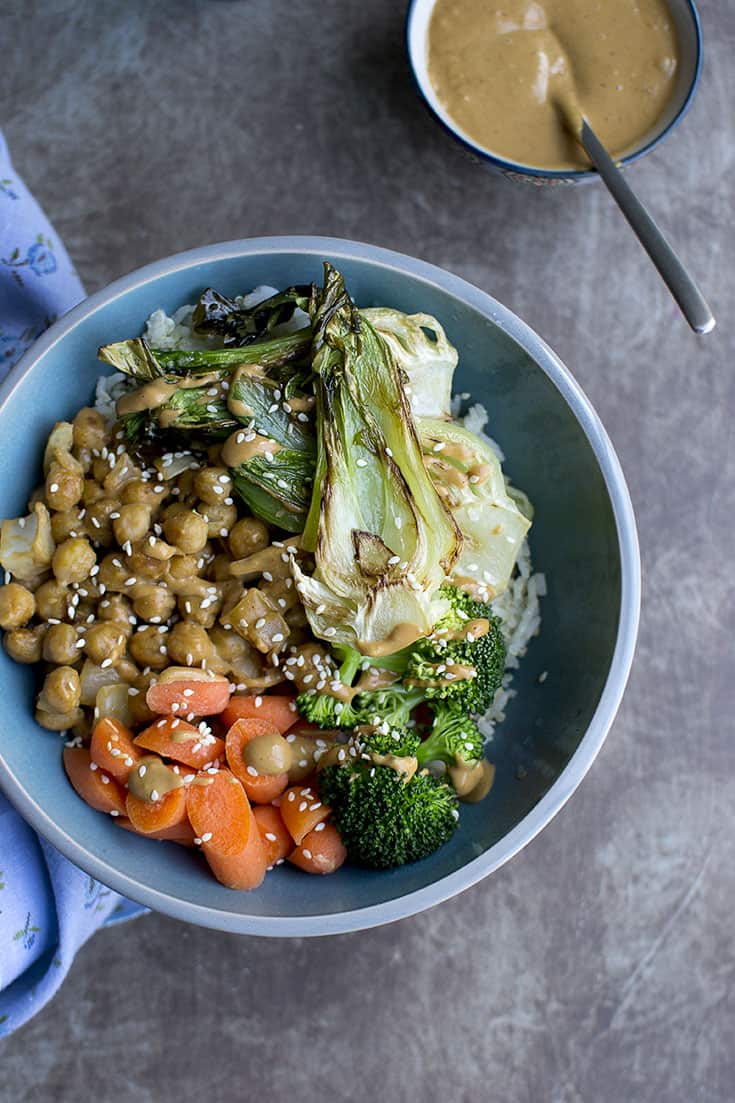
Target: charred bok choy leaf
column 272, row 457
column 468, row 475
column 238, row 325
column 137, row 359
column 382, row 538
column 188, row 393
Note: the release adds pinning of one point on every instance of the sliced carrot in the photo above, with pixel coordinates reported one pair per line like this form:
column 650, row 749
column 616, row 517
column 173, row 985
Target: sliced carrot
column 321, row 851
column 302, row 810
column 93, row 785
column 277, row 709
column 149, row 816
column 276, row 839
column 261, row 788
column 223, row 820
column 168, row 737
column 189, row 696
column 182, row 833
column 113, row 749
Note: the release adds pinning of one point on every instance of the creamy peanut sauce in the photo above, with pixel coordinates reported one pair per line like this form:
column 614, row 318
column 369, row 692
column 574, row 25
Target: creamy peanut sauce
column 472, row 780
column 236, row 405
column 158, row 392
column 516, row 74
column 402, row 635
column 242, row 445
column 268, row 754
column 151, row 779
column 404, row 765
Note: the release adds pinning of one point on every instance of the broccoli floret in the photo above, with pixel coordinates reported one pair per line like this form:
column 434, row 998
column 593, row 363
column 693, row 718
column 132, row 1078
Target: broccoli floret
column 391, row 707
column 432, row 662
column 385, row 820
column 454, row 735
column 326, row 711
column 384, row 740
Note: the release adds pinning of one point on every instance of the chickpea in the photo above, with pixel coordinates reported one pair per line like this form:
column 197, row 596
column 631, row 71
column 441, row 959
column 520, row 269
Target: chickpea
column 73, row 560
column 189, row 644
column 187, row 530
column 152, row 602
column 172, row 509
column 201, row 610
column 64, row 483
column 62, row 690
column 316, row 665
column 115, row 570
column 183, row 566
column 17, row 606
column 220, row 518
column 148, row 648
column 123, row 471
column 84, row 458
column 92, row 492
column 143, row 566
column 142, row 493
column 132, row 522
column 66, row 522
column 103, row 641
column 247, row 536
column 139, row 710
column 184, row 484
column 61, row 644
column 213, row 485
column 117, row 609
column 99, row 520
column 59, row 721
column 219, row 568
column 127, row 670
column 37, row 495
column 230, row 647
column 90, row 429
column 52, row 600
column 25, row 645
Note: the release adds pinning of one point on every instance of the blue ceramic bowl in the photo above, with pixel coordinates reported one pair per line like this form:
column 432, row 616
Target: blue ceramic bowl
column 689, row 34
column 584, row 538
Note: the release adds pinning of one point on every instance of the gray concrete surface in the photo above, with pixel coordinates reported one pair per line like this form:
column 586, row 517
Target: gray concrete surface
column 598, row 965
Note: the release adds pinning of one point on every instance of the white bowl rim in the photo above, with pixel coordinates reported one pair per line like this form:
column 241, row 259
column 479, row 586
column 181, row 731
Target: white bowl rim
column 607, row 707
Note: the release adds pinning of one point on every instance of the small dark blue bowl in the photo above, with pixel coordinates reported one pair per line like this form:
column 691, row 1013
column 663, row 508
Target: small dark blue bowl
column 689, row 35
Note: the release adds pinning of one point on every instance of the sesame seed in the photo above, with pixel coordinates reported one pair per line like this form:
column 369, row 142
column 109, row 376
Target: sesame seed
column 292, row 796
column 306, row 853
column 206, row 836
column 361, row 463
column 53, row 488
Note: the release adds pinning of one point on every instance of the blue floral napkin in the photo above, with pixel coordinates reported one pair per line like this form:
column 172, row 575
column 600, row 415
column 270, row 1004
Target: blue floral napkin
column 48, row 907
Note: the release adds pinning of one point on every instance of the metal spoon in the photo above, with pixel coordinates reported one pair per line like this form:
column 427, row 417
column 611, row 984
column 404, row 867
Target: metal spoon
column 674, row 274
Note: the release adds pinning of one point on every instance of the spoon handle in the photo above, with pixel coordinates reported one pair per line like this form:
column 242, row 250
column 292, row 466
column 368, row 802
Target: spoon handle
column 674, row 274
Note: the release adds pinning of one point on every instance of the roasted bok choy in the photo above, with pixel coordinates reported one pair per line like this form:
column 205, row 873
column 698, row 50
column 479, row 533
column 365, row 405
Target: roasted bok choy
column 336, row 424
